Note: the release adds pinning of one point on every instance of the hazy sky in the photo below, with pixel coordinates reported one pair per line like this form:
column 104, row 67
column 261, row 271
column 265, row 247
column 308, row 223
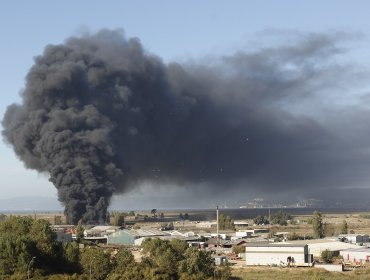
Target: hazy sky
column 173, row 30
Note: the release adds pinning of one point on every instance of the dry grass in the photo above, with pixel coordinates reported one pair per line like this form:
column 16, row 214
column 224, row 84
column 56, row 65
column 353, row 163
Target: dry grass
column 298, row 274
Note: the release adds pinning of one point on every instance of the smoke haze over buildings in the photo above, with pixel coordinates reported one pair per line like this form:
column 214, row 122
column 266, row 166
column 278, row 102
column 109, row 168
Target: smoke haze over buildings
column 100, row 115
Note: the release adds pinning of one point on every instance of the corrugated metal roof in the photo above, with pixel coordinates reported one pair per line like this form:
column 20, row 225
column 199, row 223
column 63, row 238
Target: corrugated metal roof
column 103, row 228
column 144, row 232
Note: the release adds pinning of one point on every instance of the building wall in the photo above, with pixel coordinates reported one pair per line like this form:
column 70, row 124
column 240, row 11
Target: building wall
column 274, row 255
column 355, row 256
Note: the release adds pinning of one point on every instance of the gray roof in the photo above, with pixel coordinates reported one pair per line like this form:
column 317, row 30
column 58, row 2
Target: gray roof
column 144, row 232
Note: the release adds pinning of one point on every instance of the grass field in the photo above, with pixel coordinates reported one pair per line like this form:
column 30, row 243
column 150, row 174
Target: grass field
column 298, row 274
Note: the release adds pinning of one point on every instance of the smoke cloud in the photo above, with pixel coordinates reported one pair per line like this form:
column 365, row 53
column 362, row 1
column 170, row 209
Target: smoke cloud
column 100, row 115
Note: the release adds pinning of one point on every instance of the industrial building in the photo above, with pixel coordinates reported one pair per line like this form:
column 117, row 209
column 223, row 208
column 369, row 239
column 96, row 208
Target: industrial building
column 128, row 236
column 100, row 231
column 317, row 246
column 359, row 255
column 277, row 254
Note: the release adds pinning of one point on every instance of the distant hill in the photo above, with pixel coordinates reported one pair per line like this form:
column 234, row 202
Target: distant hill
column 30, row 203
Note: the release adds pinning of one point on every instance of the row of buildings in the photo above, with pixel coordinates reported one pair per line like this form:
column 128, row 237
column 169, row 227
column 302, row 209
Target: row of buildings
column 260, row 247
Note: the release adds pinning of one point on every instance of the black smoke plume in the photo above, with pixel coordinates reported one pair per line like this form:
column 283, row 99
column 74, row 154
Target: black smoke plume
column 100, row 114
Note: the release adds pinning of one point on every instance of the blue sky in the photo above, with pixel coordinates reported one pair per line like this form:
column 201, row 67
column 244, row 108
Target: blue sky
column 173, row 30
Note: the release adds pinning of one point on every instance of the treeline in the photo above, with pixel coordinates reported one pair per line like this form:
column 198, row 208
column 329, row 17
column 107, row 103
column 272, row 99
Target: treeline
column 226, row 222
column 28, row 244
column 279, row 218
column 22, row 238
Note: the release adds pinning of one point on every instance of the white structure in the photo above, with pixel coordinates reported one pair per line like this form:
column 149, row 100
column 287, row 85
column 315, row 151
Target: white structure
column 100, row 231
column 183, row 234
column 241, row 224
column 335, row 247
column 220, row 236
column 317, row 246
column 206, row 225
column 355, row 238
column 243, row 233
column 276, row 254
column 361, row 255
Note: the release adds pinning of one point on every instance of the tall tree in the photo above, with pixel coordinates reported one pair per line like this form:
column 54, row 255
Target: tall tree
column 154, row 212
column 317, row 225
column 80, row 231
column 226, row 223
column 344, row 227
column 97, row 262
column 197, row 264
column 72, row 257
column 119, row 219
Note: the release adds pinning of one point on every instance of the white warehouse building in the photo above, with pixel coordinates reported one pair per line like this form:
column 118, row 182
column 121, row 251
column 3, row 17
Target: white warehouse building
column 277, row 254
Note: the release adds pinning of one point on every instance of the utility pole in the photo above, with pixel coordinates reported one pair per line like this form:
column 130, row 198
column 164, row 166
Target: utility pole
column 269, row 216
column 218, row 240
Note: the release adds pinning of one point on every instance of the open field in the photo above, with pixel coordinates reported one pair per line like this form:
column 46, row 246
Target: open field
column 298, row 274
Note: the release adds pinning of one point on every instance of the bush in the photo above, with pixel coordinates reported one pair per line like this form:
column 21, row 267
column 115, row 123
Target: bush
column 327, row 256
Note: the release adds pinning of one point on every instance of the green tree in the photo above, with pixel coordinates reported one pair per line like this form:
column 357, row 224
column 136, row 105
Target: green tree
column 180, row 247
column 39, row 232
column 226, row 223
column 15, row 253
column 72, row 257
column 196, row 264
column 18, row 226
column 124, row 259
column 137, row 271
column 80, row 231
column 119, row 219
column 2, row 217
column 131, row 213
column 44, row 236
column 186, row 216
column 326, row 256
column 154, row 212
column 162, row 258
column 317, row 225
column 281, row 218
column 261, row 220
column 344, row 227
column 97, row 261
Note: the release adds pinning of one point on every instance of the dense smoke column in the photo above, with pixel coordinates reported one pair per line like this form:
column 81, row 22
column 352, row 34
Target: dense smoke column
column 77, row 113
column 100, row 115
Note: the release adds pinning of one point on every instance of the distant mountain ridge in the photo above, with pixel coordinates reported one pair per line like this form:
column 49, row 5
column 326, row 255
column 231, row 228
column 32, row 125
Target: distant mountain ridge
column 30, row 203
